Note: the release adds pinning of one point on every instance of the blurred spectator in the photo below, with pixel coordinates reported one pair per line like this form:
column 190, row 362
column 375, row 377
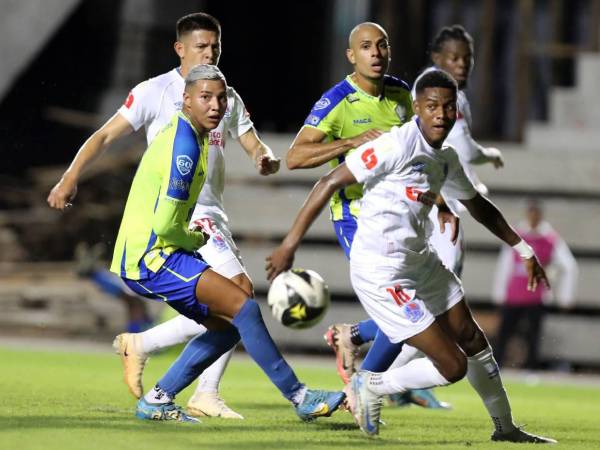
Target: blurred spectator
column 518, row 305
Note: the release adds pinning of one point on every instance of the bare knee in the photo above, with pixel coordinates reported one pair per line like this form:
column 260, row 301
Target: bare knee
column 471, row 338
column 453, row 368
column 243, row 282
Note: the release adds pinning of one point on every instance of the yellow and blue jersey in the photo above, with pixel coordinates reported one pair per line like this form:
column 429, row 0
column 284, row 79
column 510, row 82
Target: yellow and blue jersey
column 346, row 111
column 173, row 170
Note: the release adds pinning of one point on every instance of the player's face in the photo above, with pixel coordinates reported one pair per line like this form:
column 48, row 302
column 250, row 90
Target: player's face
column 370, row 52
column 198, row 47
column 436, row 108
column 205, row 103
column 456, row 58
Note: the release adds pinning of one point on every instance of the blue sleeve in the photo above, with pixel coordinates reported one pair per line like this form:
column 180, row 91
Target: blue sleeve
column 184, row 159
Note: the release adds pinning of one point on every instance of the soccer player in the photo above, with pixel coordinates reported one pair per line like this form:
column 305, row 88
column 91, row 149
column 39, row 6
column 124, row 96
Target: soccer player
column 151, row 104
column 400, row 282
column 356, row 110
column 155, row 256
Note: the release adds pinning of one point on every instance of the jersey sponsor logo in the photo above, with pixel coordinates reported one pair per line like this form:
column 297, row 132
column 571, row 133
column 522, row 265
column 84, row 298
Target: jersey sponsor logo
column 215, row 138
column 206, row 224
column 178, row 184
column 352, row 98
column 322, row 104
column 184, row 164
column 129, row 100
column 416, row 195
column 413, row 312
column 369, row 158
column 227, row 113
column 361, row 121
column 313, row 120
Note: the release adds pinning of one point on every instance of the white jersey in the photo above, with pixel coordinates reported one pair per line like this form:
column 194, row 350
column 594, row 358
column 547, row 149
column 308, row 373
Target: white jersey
column 396, row 169
column 153, row 102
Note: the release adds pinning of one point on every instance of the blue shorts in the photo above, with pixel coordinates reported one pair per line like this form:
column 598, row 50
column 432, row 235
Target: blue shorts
column 345, row 230
column 175, row 283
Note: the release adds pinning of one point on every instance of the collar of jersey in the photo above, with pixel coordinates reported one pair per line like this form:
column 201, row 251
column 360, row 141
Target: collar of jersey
column 184, row 117
column 358, row 89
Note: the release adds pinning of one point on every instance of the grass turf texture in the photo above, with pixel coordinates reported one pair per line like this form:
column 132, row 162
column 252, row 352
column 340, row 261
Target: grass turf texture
column 59, row 400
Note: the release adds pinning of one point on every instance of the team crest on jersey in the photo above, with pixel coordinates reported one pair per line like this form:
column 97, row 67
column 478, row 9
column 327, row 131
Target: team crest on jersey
column 322, row 104
column 401, row 112
column 352, row 98
column 418, row 167
column 219, row 243
column 413, row 312
column 184, row 164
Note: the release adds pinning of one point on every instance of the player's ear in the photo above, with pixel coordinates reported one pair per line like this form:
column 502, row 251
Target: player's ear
column 178, row 46
column 416, row 108
column 350, row 56
column 187, row 99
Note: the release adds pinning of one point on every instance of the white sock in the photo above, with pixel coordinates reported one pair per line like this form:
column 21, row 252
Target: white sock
column 157, row 396
column 175, row 331
column 407, row 354
column 209, row 380
column 299, row 395
column 484, row 375
column 417, row 374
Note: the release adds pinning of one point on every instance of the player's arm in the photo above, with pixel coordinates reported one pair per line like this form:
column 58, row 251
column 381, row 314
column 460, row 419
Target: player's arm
column 473, row 152
column 486, row 213
column 283, row 256
column 170, row 223
column 308, row 149
column 446, row 216
column 265, row 161
column 66, row 189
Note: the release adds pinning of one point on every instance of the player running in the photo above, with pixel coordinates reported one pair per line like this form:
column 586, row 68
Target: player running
column 354, row 111
column 400, row 282
column 155, row 256
column 452, row 51
column 151, row 104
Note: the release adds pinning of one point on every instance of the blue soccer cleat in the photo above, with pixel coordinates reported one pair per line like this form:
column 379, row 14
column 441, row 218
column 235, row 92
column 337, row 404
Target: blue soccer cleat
column 367, row 405
column 420, row 397
column 164, row 411
column 319, row 403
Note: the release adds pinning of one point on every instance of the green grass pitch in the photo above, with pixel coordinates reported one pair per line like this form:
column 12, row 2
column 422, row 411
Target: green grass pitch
column 60, row 400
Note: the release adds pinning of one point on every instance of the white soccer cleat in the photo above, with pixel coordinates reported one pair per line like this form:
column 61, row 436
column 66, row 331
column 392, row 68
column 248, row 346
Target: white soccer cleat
column 209, row 404
column 129, row 347
column 338, row 338
column 367, row 404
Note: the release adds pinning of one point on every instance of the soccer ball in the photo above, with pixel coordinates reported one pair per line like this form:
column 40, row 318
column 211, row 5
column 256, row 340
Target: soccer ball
column 298, row 298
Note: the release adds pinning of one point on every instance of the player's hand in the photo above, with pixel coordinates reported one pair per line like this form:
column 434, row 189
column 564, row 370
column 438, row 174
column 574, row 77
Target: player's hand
column 62, row 193
column 453, row 221
column 367, row 136
column 279, row 261
column 199, row 230
column 267, row 164
column 535, row 274
column 496, row 157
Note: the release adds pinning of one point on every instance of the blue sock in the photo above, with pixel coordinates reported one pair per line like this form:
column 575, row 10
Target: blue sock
column 262, row 349
column 367, row 330
column 381, row 354
column 197, row 355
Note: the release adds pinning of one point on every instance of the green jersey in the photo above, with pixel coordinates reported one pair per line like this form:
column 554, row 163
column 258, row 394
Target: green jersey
column 346, row 111
column 161, row 201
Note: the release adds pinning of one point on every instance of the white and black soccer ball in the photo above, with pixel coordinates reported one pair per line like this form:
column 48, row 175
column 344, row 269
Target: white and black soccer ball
column 298, row 298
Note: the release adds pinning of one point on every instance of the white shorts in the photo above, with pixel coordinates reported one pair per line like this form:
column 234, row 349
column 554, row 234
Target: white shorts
column 404, row 295
column 220, row 252
column 452, row 255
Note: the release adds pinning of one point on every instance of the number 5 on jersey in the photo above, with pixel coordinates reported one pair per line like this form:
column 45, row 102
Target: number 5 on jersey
column 369, row 158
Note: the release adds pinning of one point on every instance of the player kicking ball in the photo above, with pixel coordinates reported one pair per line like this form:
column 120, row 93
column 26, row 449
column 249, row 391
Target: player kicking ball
column 398, row 279
column 155, row 256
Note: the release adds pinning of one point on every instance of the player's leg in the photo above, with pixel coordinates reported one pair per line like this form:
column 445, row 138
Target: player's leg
column 483, row 373
column 221, row 253
column 226, row 300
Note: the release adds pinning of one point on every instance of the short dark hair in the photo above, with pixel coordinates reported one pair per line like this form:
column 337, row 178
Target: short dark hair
column 435, row 78
column 197, row 21
column 451, row 33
